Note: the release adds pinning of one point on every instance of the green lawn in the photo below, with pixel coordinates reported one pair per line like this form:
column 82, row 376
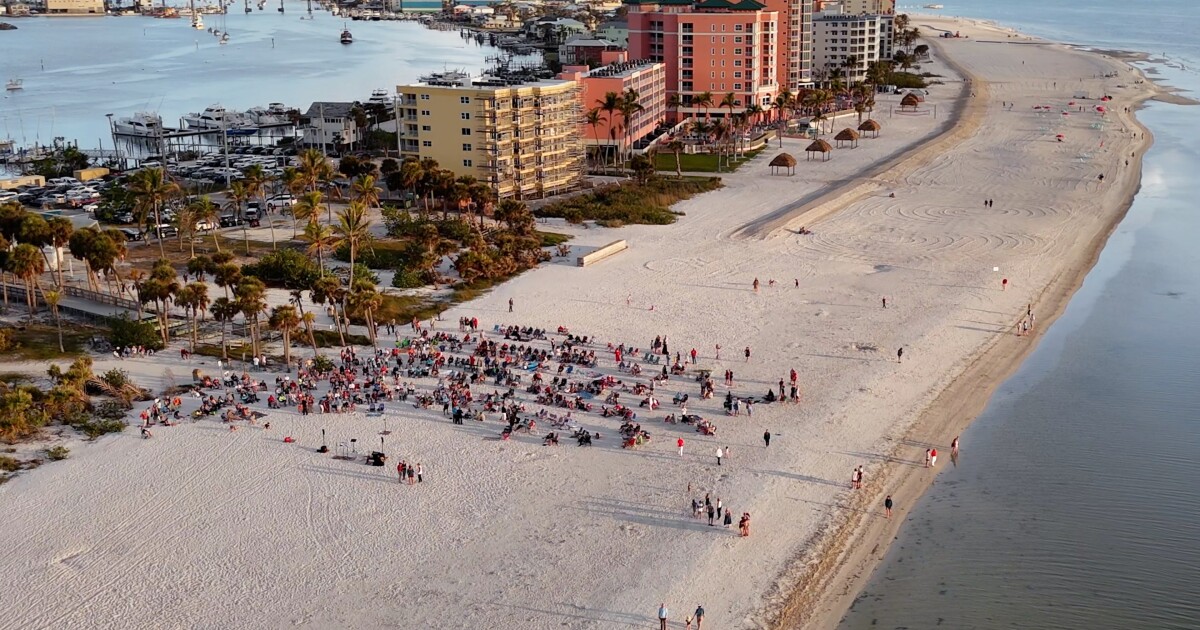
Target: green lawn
column 697, row 162
column 39, row 342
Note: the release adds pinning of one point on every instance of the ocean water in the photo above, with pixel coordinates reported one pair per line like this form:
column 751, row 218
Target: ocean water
column 76, row 70
column 1076, row 503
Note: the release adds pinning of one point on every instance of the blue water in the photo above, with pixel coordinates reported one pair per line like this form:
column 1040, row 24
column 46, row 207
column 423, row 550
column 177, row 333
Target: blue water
column 76, row 70
column 1076, row 503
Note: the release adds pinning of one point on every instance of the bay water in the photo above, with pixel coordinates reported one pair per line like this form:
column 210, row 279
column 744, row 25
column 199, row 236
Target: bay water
column 1076, row 502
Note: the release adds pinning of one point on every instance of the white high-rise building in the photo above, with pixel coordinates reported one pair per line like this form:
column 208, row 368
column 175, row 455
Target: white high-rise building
column 845, row 45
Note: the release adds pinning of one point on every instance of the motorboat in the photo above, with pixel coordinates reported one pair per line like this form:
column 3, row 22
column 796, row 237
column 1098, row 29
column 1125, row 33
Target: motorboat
column 934, row 6
column 14, row 85
column 217, row 117
column 197, row 22
column 140, row 124
column 273, row 114
column 347, row 38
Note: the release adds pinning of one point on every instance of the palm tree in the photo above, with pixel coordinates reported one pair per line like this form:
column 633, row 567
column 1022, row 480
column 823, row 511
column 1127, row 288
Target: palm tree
column 705, row 100
column 328, row 289
column 5, row 254
column 224, row 310
column 676, row 146
column 185, row 227
column 593, row 117
column 610, row 104
column 198, row 266
column 320, row 239
column 629, row 107
column 257, row 183
column 238, row 194
column 193, row 299
column 353, row 228
column 366, row 300
column 364, row 190
column 52, row 297
column 152, row 189
column 674, row 102
column 27, row 263
column 285, row 320
column 203, row 209
column 308, row 207
column 251, row 294
column 59, row 231
column 227, row 275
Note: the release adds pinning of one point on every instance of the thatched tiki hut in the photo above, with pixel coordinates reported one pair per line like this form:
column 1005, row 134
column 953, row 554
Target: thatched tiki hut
column 784, row 160
column 819, row 146
column 910, row 100
column 870, row 126
column 847, row 135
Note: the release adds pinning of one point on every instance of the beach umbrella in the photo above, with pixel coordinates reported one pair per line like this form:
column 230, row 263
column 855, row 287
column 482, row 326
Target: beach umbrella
column 819, row 146
column 783, row 160
column 910, row 100
column 870, row 126
column 847, row 135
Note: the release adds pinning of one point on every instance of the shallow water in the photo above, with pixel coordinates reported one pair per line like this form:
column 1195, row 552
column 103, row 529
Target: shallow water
column 1076, row 502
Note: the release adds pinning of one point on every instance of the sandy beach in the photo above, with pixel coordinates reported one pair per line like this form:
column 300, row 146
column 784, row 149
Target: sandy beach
column 205, row 528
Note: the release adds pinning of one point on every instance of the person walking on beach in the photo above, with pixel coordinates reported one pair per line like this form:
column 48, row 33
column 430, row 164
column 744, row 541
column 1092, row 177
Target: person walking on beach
column 510, row 304
column 719, row 508
column 747, row 354
column 718, row 357
column 885, row 302
column 694, row 353
column 400, row 471
column 766, row 438
column 932, row 457
column 712, row 511
column 679, row 443
column 756, row 285
column 662, row 616
column 728, row 518
column 954, row 446
column 699, row 615
column 1004, row 284
column 900, row 355
column 420, row 473
column 927, row 457
column 887, row 507
column 720, row 454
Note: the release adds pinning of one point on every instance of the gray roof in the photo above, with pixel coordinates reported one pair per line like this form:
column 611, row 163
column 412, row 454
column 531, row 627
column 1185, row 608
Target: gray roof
column 331, row 109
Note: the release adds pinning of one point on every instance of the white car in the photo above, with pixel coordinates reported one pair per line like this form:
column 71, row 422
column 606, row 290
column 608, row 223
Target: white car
column 284, row 202
column 205, row 226
column 7, row 195
column 91, row 208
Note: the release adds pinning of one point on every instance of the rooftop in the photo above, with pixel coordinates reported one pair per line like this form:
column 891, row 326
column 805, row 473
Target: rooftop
column 622, row 69
column 329, row 109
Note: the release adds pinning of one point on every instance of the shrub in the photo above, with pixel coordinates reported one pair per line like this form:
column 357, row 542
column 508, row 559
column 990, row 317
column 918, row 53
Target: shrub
column 647, row 203
column 96, row 427
column 906, row 80
column 409, row 279
column 7, row 342
column 57, row 453
column 9, row 464
column 284, row 268
column 322, row 363
column 124, row 331
column 116, row 377
column 20, row 417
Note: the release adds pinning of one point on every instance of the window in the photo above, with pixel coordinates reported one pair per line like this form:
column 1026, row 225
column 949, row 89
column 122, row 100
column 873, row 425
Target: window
column 424, row 112
column 465, row 100
column 712, row 75
column 687, row 87
column 466, row 147
column 722, row 39
column 737, row 63
column 466, row 131
column 426, row 128
column 465, row 115
column 737, row 40
column 687, row 51
column 466, row 162
column 424, row 97
column 737, row 86
column 737, row 51
column 687, row 27
column 426, row 143
column 722, row 75
column 737, row 75
column 737, row 27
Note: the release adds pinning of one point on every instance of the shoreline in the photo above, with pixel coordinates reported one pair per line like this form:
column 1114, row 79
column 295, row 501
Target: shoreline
column 849, row 553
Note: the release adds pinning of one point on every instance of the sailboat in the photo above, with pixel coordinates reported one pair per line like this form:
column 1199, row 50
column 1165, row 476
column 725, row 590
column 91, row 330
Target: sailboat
column 347, row 38
column 197, row 21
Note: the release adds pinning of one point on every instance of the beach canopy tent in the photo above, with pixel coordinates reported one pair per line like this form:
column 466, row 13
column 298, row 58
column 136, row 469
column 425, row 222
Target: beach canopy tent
column 910, row 100
column 819, row 146
column 847, row 135
column 783, row 160
column 870, row 126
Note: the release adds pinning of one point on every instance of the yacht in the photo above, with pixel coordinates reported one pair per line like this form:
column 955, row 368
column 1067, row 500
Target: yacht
column 197, row 22
column 347, row 38
column 934, row 6
column 14, row 85
column 273, row 114
column 216, row 117
column 380, row 97
column 140, row 124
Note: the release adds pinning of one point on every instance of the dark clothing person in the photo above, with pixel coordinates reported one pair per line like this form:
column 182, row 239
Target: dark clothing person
column 767, row 438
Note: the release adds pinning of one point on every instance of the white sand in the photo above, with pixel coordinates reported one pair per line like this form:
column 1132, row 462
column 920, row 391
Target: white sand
column 200, row 527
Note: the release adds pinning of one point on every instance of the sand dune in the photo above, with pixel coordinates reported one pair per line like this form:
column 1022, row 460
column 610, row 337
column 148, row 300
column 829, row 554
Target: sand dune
column 200, row 527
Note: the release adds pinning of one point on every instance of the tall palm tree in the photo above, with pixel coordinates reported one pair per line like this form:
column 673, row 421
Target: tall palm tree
column 285, row 320
column 328, row 289
column 676, row 146
column 321, row 240
column 27, row 263
column 251, row 300
column 257, row 184
column 203, row 209
column 610, row 104
column 353, row 229
column 185, row 227
column 309, row 319
column 593, row 117
column 674, row 102
column 411, row 172
column 238, row 193
column 193, row 299
column 366, row 300
column 308, row 207
column 151, row 189
column 364, row 190
column 52, row 298
column 224, row 310
column 705, row 100
column 629, row 108
column 59, row 231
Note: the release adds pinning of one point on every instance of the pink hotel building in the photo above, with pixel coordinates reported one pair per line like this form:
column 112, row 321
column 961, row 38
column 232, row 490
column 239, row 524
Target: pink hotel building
column 747, row 48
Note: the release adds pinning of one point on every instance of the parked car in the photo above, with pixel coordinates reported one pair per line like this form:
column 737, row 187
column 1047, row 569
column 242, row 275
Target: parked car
column 91, row 208
column 283, row 202
column 131, row 234
column 205, row 225
column 230, row 220
column 251, row 213
column 8, row 195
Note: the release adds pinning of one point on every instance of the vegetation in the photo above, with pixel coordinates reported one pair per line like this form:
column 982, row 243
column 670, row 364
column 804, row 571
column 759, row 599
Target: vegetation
column 698, row 162
column 57, row 453
column 616, row 205
column 38, row 342
column 125, row 332
column 284, row 269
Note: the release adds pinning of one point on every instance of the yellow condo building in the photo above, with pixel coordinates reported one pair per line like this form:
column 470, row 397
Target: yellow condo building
column 521, row 137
